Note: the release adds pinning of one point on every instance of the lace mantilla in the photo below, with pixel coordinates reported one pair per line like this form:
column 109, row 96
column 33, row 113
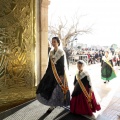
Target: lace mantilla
column 57, row 55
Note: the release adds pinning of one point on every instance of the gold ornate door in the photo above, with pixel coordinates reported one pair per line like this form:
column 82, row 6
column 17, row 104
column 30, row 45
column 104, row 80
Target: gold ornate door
column 17, row 54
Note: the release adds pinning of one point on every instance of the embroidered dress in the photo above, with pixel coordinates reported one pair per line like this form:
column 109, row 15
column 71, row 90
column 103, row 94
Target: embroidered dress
column 49, row 92
column 79, row 103
column 107, row 71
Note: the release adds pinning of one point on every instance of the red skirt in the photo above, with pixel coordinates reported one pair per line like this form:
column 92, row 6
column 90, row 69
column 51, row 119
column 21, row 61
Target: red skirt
column 79, row 105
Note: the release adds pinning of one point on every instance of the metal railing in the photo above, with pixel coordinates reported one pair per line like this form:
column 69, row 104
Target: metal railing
column 74, row 58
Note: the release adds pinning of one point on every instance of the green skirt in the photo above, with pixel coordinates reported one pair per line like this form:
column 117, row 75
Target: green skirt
column 107, row 73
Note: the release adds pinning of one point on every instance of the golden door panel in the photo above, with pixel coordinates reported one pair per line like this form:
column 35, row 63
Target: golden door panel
column 16, row 52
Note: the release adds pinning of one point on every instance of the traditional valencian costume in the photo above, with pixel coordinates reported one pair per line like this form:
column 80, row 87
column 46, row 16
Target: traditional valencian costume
column 53, row 88
column 107, row 70
column 83, row 100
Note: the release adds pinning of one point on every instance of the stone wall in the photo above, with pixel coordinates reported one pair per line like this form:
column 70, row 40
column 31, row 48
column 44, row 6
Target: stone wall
column 42, row 41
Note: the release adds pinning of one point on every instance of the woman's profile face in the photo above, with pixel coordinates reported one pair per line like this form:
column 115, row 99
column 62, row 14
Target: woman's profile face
column 80, row 67
column 54, row 43
column 106, row 54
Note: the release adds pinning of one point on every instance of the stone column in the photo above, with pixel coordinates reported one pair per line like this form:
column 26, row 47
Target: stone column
column 42, row 38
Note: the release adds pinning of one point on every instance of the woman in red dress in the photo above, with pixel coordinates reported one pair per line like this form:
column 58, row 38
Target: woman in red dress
column 83, row 100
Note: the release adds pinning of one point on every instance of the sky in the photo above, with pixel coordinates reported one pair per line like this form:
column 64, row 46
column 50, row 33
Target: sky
column 102, row 15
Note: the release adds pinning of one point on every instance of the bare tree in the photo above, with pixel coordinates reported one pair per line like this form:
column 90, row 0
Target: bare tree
column 67, row 29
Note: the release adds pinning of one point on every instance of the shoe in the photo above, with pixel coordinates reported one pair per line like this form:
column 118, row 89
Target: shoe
column 50, row 110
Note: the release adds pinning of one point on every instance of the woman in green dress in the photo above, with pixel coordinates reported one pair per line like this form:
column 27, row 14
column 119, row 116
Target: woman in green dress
column 107, row 70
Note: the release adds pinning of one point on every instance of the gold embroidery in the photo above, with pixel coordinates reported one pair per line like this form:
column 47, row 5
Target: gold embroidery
column 64, row 86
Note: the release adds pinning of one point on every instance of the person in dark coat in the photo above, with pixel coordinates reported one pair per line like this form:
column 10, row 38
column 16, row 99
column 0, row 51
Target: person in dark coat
column 118, row 61
column 68, row 53
column 100, row 56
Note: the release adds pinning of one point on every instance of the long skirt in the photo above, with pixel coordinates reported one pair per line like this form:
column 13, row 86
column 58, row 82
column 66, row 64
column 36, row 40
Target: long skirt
column 80, row 105
column 107, row 73
column 57, row 98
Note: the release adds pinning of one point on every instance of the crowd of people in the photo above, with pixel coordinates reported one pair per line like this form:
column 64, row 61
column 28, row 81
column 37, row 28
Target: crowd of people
column 94, row 56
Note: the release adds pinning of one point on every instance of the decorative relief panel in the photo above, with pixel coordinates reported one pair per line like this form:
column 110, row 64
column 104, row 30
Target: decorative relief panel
column 16, row 47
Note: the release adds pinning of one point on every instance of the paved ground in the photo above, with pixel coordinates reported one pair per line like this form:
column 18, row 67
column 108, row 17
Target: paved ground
column 107, row 94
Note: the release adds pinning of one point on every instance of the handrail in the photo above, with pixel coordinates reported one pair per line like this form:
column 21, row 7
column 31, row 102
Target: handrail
column 80, row 57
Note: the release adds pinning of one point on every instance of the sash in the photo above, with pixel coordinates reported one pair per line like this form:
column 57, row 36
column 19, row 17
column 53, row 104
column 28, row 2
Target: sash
column 89, row 97
column 109, row 65
column 64, row 86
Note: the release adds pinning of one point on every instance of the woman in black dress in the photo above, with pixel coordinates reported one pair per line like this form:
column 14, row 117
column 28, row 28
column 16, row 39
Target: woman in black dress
column 53, row 88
